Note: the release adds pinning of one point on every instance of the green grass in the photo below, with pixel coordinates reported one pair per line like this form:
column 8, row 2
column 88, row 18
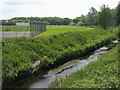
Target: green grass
column 57, row 29
column 14, row 28
column 52, row 48
column 102, row 73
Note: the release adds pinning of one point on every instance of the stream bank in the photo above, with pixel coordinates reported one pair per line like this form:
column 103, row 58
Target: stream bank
column 51, row 51
column 63, row 70
column 102, row 73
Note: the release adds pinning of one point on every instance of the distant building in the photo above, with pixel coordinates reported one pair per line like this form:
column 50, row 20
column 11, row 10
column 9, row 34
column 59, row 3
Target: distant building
column 22, row 24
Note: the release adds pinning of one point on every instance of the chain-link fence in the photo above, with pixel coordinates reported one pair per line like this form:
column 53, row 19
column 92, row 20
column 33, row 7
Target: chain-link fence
column 22, row 29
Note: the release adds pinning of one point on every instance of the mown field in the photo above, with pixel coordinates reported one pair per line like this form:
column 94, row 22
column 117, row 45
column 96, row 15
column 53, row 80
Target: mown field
column 57, row 29
column 14, row 28
column 52, row 48
column 102, row 73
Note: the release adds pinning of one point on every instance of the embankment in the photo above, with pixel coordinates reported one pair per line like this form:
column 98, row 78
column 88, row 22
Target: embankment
column 22, row 57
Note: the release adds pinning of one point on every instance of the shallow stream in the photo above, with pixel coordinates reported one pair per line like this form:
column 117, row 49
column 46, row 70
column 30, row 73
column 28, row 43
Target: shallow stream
column 62, row 71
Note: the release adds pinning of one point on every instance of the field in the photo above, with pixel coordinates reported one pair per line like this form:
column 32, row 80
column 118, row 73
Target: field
column 14, row 28
column 57, row 29
column 51, row 29
column 102, row 73
column 52, row 48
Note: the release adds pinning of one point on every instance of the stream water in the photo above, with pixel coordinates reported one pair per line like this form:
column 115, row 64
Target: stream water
column 62, row 71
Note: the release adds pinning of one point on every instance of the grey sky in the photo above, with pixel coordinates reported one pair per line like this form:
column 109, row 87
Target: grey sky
column 47, row 8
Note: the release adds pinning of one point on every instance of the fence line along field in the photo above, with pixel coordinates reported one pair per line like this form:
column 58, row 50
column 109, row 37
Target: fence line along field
column 22, row 30
column 15, row 27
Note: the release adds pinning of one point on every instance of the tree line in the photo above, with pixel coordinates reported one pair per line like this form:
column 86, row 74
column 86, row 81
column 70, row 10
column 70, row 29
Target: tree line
column 105, row 18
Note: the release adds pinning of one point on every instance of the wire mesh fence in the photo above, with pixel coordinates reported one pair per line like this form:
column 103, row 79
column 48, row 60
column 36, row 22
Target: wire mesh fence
column 22, row 29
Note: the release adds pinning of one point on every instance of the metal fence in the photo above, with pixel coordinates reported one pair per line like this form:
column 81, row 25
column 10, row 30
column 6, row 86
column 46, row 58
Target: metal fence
column 37, row 28
column 22, row 29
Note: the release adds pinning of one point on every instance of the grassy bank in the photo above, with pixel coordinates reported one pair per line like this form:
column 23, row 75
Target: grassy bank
column 102, row 73
column 51, row 49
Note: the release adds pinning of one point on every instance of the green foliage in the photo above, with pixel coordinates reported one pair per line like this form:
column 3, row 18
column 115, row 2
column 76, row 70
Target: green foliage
column 105, row 17
column 91, row 16
column 80, row 24
column 76, row 20
column 89, row 19
column 56, row 46
column 102, row 73
column 118, row 14
column 47, row 20
column 82, row 19
column 119, row 32
column 72, row 23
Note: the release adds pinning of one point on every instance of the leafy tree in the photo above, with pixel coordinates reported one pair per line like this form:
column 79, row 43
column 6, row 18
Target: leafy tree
column 50, row 20
column 66, row 21
column 76, row 20
column 104, row 17
column 82, row 18
column 72, row 23
column 118, row 14
column 46, row 22
column 80, row 23
column 94, row 13
column 91, row 16
column 26, row 20
column 89, row 19
column 114, row 18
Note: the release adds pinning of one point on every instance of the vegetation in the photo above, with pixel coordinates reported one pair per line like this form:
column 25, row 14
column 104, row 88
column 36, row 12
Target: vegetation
column 102, row 73
column 62, row 43
column 118, row 32
column 58, row 29
column 14, row 28
column 51, row 48
column 105, row 17
column 118, row 14
column 47, row 20
column 91, row 17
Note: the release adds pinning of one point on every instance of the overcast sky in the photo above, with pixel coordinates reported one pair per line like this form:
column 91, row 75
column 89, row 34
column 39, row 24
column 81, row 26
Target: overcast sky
column 47, row 8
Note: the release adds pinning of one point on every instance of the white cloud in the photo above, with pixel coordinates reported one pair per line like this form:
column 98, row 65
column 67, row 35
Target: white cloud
column 46, row 8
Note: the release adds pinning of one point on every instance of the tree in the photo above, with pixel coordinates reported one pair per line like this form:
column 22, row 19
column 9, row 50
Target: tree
column 82, row 19
column 80, row 23
column 72, row 23
column 66, row 21
column 76, row 20
column 91, row 16
column 26, row 20
column 118, row 14
column 46, row 22
column 94, row 13
column 89, row 19
column 114, row 18
column 104, row 17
